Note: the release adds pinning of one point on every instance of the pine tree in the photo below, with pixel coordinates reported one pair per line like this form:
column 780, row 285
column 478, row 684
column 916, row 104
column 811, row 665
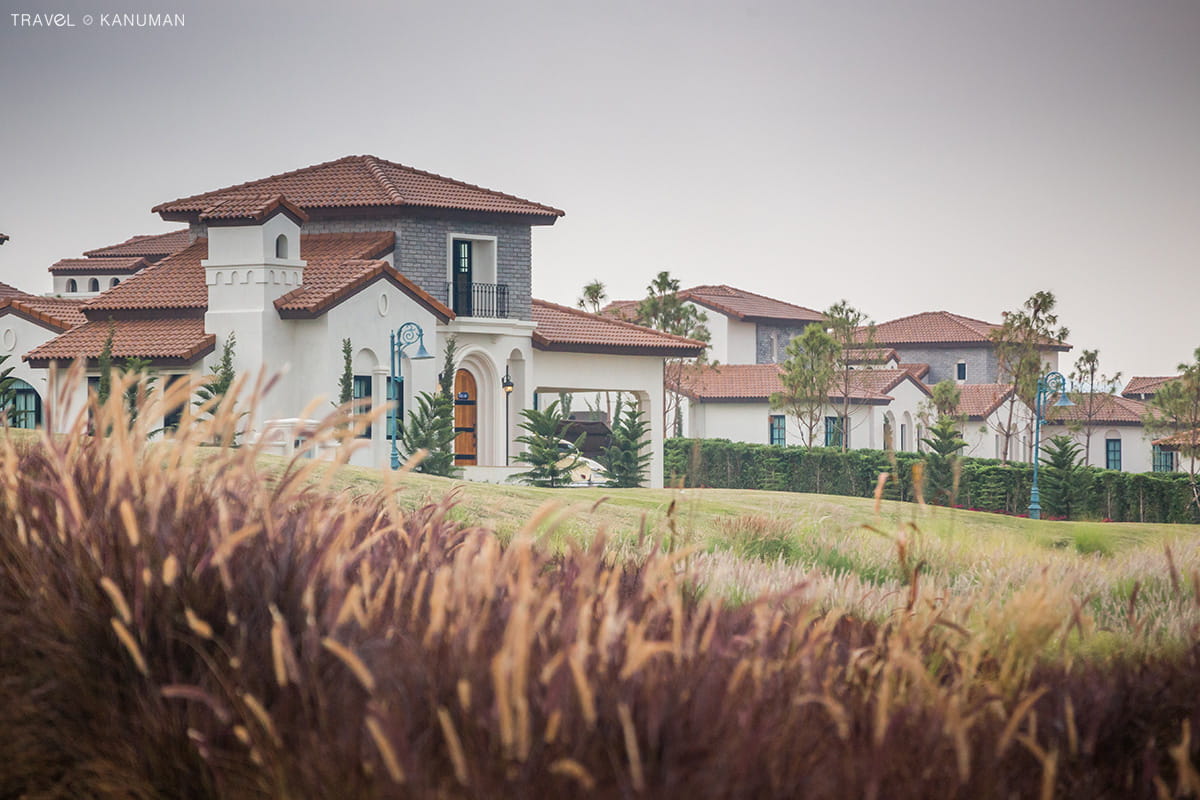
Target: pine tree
column 944, row 443
column 549, row 465
column 138, row 369
column 346, row 384
column 1063, row 481
column 807, row 377
column 104, row 363
column 429, row 427
column 219, row 384
column 627, row 459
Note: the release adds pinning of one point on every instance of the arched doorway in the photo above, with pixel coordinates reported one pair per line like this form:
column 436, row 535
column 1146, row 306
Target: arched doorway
column 466, row 419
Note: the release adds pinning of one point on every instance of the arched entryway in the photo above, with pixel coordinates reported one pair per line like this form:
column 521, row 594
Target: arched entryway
column 466, row 419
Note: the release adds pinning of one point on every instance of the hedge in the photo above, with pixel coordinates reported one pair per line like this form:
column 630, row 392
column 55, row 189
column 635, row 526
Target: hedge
column 985, row 484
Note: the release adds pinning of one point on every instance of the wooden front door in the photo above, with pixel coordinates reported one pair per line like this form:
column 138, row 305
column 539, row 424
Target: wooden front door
column 466, row 416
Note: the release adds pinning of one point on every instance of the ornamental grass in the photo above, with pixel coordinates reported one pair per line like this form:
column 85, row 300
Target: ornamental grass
column 177, row 620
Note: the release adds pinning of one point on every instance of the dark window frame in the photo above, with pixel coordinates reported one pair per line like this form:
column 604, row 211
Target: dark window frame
column 1112, row 454
column 777, row 430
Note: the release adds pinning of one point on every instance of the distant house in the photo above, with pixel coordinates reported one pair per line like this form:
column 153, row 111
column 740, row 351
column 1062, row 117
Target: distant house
column 731, row 401
column 745, row 328
column 105, row 267
column 985, row 409
column 1175, row 444
column 1119, row 439
column 1144, row 388
column 955, row 347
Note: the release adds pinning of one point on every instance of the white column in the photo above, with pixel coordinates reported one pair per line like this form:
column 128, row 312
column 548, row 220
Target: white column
column 380, row 446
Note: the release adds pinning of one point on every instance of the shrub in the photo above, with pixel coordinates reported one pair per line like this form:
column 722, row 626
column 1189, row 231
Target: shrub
column 985, row 484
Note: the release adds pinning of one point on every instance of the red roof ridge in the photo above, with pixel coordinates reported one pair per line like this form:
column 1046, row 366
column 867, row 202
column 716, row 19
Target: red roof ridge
column 255, row 207
column 703, row 294
column 292, row 305
column 20, row 304
column 141, row 238
column 556, row 211
column 377, row 170
column 159, row 208
column 615, row 321
column 106, row 263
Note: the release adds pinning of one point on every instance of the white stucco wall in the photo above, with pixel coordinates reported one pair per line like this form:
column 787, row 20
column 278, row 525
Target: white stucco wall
column 731, row 341
column 1136, row 445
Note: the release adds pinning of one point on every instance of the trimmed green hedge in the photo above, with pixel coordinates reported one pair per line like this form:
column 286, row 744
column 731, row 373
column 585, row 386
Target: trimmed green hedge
column 985, row 484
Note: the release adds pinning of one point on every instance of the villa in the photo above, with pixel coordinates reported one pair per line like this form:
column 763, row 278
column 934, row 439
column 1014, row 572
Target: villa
column 357, row 248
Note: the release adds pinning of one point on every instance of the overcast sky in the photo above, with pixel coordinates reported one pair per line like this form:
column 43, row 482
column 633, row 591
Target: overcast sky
column 906, row 156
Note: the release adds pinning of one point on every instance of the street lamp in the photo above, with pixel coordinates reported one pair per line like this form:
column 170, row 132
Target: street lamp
column 1047, row 384
column 507, row 384
column 399, row 339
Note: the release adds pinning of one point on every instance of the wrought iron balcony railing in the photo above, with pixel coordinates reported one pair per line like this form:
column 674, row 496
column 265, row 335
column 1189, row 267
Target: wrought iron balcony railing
column 478, row 299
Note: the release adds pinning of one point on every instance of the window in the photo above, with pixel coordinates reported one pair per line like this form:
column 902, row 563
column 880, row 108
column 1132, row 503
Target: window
column 833, row 431
column 775, row 429
column 462, row 275
column 172, row 416
column 72, row 286
column 94, row 285
column 1112, row 451
column 27, row 406
column 113, row 282
column 362, row 400
column 1164, row 460
column 904, row 446
column 961, row 371
column 281, row 246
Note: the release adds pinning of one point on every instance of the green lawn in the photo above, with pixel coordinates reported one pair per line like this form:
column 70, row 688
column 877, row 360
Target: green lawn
column 973, row 565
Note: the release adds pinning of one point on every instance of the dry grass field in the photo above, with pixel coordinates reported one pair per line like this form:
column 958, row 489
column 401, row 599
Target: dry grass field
column 183, row 620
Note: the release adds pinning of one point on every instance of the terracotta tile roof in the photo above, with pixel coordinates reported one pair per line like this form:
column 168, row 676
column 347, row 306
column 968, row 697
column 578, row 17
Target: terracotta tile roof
column 330, row 283
column 621, row 309
column 743, row 305
column 7, row 291
column 871, row 355
column 57, row 313
column 363, row 182
column 1146, row 385
column 918, row 370
column 115, row 265
column 933, row 327
column 1110, row 409
column 1182, row 439
column 178, row 282
column 251, row 208
column 153, row 247
column 573, row 330
column 182, row 340
column 735, row 382
column 938, row 327
column 979, row 400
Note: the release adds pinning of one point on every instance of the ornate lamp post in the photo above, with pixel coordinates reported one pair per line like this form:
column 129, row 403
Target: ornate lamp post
column 1050, row 383
column 399, row 339
column 507, row 385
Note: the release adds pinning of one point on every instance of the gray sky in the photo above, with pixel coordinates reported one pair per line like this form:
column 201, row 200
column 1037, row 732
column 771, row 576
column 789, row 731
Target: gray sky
column 907, row 156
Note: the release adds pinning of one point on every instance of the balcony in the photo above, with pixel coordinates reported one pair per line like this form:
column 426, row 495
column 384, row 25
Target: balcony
column 478, row 299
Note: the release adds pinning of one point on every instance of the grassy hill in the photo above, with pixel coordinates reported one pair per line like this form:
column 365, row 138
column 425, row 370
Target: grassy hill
column 1133, row 579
